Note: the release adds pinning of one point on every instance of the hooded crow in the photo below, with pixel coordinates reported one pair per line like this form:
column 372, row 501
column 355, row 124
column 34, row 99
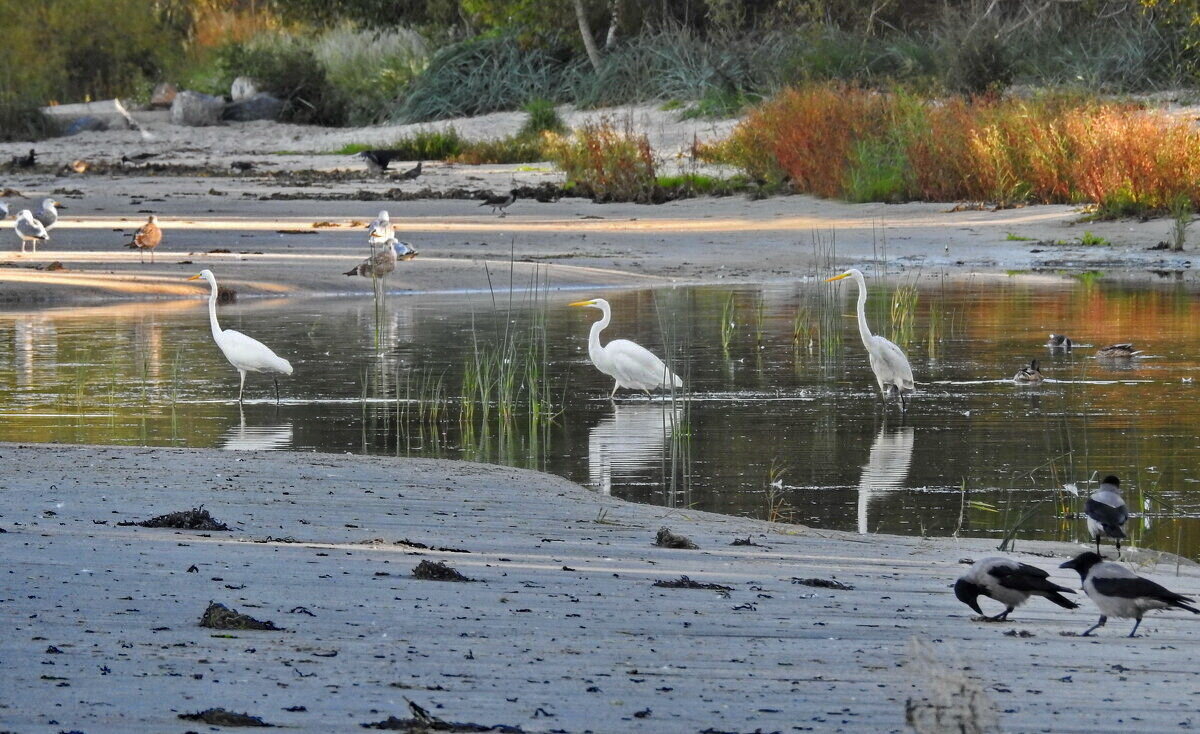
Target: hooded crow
column 1059, row 341
column 1120, row 592
column 1029, row 374
column 378, row 160
column 500, row 201
column 1106, row 512
column 411, row 173
column 1009, row 582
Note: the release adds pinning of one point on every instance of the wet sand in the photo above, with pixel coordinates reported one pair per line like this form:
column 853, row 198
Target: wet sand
column 561, row 631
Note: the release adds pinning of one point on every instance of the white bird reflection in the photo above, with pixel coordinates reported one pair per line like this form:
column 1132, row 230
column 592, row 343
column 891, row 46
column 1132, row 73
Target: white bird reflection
column 257, row 438
column 632, row 438
column 886, row 468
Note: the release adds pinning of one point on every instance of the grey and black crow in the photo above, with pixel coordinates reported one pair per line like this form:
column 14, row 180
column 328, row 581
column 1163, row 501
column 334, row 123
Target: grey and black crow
column 1009, row 582
column 500, row 201
column 411, row 173
column 378, row 160
column 1106, row 512
column 1119, row 592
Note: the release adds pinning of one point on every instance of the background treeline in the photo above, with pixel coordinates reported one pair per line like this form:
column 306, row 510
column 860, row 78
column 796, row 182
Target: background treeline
column 363, row 61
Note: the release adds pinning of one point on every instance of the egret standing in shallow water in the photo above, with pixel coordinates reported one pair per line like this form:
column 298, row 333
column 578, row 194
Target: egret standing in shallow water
column 888, row 362
column 630, row 365
column 244, row 353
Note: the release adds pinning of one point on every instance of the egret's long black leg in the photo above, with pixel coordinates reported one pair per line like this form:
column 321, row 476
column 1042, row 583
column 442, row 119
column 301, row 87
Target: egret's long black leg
column 276, row 379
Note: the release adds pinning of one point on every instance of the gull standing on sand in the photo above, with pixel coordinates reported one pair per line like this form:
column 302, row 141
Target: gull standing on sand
column 384, row 262
column 48, row 213
column 630, row 365
column 1009, row 582
column 891, row 367
column 246, row 354
column 1119, row 592
column 381, row 230
column 30, row 230
column 147, row 237
column 1106, row 512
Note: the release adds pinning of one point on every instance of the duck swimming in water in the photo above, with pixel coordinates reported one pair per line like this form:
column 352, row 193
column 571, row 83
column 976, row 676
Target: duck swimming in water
column 1029, row 374
column 1118, row 351
column 1059, row 341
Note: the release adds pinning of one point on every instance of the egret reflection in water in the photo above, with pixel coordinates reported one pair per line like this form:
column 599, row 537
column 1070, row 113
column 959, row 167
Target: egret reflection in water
column 633, row 437
column 257, row 438
column 886, row 468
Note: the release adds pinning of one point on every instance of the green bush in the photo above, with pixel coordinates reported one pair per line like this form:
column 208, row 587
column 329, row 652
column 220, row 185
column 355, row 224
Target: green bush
column 370, row 69
column 287, row 67
column 543, row 118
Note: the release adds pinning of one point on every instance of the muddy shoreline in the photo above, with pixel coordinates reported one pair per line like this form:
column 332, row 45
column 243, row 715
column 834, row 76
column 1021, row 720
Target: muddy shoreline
column 561, row 629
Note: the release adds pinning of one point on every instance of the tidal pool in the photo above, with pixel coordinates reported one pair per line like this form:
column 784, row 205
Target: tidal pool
column 780, row 417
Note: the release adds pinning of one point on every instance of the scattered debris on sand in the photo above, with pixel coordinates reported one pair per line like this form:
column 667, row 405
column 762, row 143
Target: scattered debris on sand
column 667, row 539
column 747, row 541
column 823, row 584
column 1019, row 633
column 225, row 295
column 430, row 571
column 422, row 722
column 196, row 518
column 414, row 545
column 683, row 582
column 220, row 617
column 221, row 717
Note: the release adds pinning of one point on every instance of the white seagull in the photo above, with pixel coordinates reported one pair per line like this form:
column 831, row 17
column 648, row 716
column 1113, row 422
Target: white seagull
column 246, row 354
column 1106, row 512
column 380, row 230
column 48, row 213
column 30, row 230
column 630, row 365
column 1009, row 582
column 1120, row 592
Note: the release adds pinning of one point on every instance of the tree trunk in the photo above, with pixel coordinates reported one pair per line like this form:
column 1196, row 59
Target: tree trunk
column 585, row 30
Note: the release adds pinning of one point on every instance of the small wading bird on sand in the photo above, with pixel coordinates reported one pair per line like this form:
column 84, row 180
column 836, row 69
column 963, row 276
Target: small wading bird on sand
column 888, row 362
column 630, row 365
column 244, row 353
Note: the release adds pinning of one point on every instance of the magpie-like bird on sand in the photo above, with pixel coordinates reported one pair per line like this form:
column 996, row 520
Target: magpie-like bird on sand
column 1120, row 592
column 378, row 160
column 500, row 201
column 1009, row 582
column 411, row 173
column 1106, row 512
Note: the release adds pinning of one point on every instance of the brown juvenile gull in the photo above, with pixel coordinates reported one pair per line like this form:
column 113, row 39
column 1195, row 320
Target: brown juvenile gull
column 148, row 237
column 384, row 262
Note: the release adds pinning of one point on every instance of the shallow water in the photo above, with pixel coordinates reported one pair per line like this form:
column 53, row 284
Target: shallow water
column 783, row 422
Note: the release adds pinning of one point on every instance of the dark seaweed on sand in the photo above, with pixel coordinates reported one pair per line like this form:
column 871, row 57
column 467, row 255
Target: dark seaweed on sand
column 220, row 617
column 683, row 582
column 824, row 584
column 667, row 539
column 196, row 518
column 430, row 571
column 221, row 717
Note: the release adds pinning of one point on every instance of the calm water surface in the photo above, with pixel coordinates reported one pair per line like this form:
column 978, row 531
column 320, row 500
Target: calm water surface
column 780, row 419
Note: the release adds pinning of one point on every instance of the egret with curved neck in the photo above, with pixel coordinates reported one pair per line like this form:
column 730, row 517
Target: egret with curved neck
column 630, row 365
column 888, row 362
column 244, row 353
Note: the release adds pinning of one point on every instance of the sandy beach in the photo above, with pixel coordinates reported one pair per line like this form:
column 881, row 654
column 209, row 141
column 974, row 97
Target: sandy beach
column 561, row 629
column 295, row 222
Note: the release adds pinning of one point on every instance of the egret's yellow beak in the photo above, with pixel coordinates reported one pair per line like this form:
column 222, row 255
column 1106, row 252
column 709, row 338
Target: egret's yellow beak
column 195, row 277
column 582, row 303
column 837, row 277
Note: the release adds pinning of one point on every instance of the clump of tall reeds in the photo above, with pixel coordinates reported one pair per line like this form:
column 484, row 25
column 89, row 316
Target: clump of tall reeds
column 607, row 161
column 849, row 142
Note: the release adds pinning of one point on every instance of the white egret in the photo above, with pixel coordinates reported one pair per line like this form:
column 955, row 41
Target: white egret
column 630, row 365
column 888, row 362
column 30, row 230
column 244, row 353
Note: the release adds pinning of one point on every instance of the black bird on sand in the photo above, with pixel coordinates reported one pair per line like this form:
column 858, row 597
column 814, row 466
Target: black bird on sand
column 1106, row 512
column 1119, row 592
column 500, row 201
column 411, row 173
column 1009, row 582
column 378, row 160
column 25, row 161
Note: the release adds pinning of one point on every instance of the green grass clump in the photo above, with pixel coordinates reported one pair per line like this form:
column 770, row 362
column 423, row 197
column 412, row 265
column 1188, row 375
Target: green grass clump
column 1011, row 237
column 543, row 118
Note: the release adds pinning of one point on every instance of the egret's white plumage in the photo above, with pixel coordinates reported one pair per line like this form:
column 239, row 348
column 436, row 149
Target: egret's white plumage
column 244, row 353
column 630, row 365
column 48, row 213
column 380, row 230
column 888, row 362
column 29, row 229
